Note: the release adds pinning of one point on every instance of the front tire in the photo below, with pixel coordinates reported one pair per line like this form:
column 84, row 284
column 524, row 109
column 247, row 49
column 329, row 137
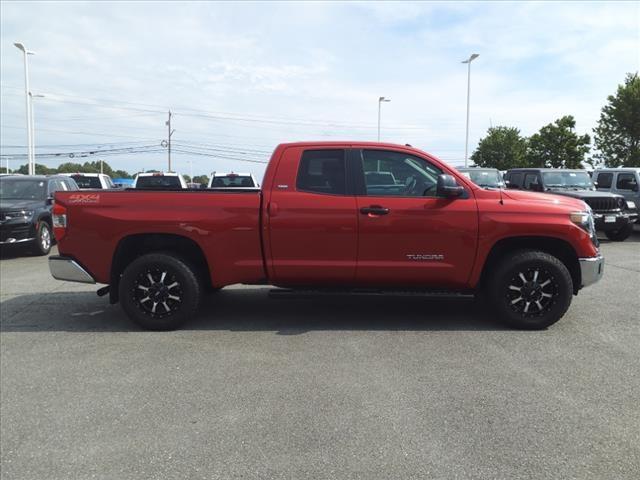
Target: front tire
column 43, row 239
column 621, row 234
column 159, row 291
column 531, row 290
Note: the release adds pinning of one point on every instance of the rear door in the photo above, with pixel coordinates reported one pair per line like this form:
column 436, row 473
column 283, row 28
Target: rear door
column 312, row 219
column 407, row 235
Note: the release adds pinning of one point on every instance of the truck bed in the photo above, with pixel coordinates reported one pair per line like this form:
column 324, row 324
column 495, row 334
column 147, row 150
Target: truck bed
column 224, row 224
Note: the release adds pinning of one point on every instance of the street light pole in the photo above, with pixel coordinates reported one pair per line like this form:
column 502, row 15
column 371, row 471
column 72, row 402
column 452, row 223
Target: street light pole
column 466, row 143
column 380, row 100
column 33, row 129
column 27, row 99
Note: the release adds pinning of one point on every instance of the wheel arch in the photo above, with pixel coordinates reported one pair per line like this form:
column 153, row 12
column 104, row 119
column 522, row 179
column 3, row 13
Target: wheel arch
column 560, row 249
column 133, row 246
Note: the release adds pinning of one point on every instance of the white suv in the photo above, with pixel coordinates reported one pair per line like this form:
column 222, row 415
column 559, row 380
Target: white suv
column 232, row 180
column 159, row 181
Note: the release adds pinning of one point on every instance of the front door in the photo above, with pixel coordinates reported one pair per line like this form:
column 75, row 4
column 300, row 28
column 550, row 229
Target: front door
column 407, row 235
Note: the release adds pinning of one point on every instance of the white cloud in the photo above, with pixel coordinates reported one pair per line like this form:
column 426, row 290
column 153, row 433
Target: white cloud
column 310, row 61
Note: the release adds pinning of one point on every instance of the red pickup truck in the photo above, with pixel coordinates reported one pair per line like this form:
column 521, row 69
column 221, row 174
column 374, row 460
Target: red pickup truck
column 354, row 216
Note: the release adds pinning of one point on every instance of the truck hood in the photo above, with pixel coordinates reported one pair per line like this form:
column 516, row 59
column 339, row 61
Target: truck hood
column 583, row 193
column 11, row 205
column 545, row 198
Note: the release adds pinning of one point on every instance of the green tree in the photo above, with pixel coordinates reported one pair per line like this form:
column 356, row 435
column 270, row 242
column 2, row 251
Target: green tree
column 558, row 145
column 121, row 174
column 40, row 169
column 201, row 179
column 503, row 148
column 70, row 167
column 617, row 136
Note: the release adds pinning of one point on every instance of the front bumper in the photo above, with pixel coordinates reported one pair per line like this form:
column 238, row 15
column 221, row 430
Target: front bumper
column 16, row 232
column 613, row 221
column 591, row 270
column 65, row 268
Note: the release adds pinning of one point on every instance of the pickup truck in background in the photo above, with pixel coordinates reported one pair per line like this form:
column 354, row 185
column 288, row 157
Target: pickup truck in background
column 356, row 216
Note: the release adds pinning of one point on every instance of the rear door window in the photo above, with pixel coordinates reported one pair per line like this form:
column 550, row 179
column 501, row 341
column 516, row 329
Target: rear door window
column 159, row 182
column 604, row 180
column 322, row 171
column 87, row 182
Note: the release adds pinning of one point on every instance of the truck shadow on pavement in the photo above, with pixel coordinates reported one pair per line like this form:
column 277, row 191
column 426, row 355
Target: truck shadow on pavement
column 251, row 309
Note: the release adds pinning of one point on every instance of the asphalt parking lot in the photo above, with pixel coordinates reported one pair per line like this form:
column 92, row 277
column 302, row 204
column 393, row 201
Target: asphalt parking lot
column 370, row 388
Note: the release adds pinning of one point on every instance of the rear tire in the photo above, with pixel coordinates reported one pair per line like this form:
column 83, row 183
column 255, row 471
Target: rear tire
column 621, row 234
column 530, row 290
column 159, row 291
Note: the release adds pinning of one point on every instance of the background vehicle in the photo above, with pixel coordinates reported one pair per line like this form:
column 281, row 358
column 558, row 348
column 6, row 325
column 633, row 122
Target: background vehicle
column 232, row 180
column 25, row 209
column 123, row 182
column 322, row 220
column 612, row 214
column 623, row 181
column 484, row 177
column 159, row 181
column 88, row 181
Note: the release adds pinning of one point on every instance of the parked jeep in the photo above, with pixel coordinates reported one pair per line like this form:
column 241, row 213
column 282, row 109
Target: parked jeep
column 612, row 213
column 25, row 209
column 623, row 181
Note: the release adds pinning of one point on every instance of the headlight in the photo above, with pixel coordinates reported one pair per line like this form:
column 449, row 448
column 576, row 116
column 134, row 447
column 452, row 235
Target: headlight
column 585, row 221
column 18, row 213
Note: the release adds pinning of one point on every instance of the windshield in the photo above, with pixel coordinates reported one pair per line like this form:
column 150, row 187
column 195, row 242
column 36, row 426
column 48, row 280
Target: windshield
column 485, row 178
column 87, row 182
column 21, row 189
column 233, row 181
column 565, row 179
column 158, row 181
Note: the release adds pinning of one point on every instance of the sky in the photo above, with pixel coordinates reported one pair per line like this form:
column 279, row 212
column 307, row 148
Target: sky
column 242, row 77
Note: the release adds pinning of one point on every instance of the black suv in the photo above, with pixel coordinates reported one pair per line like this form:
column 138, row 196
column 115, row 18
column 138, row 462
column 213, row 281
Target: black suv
column 611, row 213
column 25, row 209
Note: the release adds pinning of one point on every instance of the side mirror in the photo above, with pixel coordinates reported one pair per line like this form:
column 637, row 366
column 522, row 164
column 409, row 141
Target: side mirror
column 447, row 187
column 595, row 184
column 49, row 200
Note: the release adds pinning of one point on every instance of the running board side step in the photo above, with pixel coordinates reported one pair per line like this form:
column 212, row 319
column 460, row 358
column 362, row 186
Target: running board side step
column 368, row 292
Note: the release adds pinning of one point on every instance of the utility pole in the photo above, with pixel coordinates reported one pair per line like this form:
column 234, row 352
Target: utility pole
column 169, row 133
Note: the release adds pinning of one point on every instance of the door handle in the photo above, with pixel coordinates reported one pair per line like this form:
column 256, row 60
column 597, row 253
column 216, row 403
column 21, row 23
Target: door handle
column 374, row 210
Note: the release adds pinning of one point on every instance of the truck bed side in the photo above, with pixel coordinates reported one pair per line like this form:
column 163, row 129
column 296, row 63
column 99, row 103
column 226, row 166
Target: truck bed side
column 224, row 226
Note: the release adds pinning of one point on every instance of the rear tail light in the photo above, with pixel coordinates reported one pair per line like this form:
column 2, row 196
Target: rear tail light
column 59, row 219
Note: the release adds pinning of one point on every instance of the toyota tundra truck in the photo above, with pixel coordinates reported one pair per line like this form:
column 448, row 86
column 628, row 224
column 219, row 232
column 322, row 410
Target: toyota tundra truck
column 349, row 216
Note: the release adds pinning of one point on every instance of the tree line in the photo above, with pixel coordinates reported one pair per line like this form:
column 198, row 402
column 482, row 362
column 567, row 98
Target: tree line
column 616, row 139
